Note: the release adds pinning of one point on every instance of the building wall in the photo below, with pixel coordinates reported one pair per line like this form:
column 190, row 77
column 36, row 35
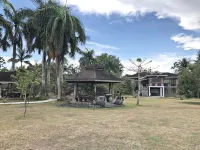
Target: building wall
column 169, row 83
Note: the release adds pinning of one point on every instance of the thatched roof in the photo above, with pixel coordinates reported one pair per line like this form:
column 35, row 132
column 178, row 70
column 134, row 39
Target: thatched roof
column 5, row 77
column 93, row 74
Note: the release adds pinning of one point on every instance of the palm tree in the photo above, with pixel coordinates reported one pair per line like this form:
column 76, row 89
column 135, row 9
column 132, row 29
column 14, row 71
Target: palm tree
column 66, row 32
column 181, row 64
column 21, row 56
column 16, row 19
column 87, row 58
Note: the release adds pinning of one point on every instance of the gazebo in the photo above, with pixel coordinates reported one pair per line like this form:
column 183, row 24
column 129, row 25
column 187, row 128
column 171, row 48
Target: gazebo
column 6, row 83
column 94, row 74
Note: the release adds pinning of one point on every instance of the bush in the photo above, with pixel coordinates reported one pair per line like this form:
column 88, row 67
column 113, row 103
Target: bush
column 39, row 98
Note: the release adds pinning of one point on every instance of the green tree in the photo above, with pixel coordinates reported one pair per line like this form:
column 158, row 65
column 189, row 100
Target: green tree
column 181, row 64
column 87, row 58
column 66, row 32
column 22, row 57
column 110, row 63
column 16, row 19
column 189, row 81
column 25, row 81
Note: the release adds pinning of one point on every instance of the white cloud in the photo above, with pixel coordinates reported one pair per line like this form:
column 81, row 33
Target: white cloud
column 101, row 46
column 187, row 42
column 187, row 12
column 161, row 62
column 90, row 31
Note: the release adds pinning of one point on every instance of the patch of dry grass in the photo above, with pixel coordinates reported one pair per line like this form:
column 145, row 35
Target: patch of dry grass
column 156, row 124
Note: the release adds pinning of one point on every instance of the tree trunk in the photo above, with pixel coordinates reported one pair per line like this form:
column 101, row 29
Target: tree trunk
column 21, row 64
column 49, row 73
column 25, row 105
column 61, row 72
column 43, row 72
column 58, row 77
column 138, row 94
column 14, row 55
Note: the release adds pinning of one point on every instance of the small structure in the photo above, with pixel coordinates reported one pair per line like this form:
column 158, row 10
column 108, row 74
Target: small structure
column 94, row 74
column 6, row 83
column 157, row 84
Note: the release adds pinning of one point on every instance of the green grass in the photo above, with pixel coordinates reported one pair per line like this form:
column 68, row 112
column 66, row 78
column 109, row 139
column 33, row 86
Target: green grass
column 168, row 124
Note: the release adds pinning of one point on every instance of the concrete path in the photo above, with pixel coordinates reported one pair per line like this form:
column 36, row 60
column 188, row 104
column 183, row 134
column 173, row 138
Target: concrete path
column 32, row 102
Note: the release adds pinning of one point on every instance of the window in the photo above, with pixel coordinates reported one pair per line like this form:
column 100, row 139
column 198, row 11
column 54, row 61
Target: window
column 173, row 82
column 156, row 80
column 166, row 81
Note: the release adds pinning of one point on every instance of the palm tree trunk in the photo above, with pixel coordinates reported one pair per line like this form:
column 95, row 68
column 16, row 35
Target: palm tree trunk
column 61, row 72
column 49, row 73
column 58, row 77
column 43, row 70
column 14, row 56
column 14, row 49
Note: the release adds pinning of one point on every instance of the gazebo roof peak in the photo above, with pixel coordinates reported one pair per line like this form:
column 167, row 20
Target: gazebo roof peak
column 94, row 66
column 94, row 74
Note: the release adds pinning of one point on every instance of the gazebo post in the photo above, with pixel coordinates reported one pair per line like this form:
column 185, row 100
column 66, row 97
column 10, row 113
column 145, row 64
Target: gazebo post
column 110, row 87
column 113, row 92
column 75, row 90
column 95, row 90
column 0, row 91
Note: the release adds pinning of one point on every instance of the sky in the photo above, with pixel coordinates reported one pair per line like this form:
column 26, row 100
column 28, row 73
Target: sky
column 163, row 31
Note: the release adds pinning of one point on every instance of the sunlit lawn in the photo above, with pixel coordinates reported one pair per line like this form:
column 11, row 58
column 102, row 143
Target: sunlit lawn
column 159, row 124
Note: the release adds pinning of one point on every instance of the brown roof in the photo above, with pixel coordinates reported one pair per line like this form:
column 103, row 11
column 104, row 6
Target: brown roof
column 93, row 74
column 6, row 76
column 145, row 74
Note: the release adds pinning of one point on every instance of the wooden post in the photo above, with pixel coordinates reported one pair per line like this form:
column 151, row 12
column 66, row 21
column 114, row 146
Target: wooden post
column 95, row 90
column 75, row 90
column 110, row 88
column 113, row 92
column 0, row 91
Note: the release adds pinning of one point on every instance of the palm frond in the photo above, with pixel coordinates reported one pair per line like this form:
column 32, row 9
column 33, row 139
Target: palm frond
column 28, row 62
column 15, row 60
column 27, row 56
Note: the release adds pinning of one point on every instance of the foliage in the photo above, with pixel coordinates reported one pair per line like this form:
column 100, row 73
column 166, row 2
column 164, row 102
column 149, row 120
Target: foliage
column 87, row 58
column 189, row 81
column 2, row 62
column 26, row 81
column 181, row 64
column 16, row 19
column 110, row 63
column 126, row 87
column 22, row 57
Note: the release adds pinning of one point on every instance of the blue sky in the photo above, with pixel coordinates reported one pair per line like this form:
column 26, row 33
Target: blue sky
column 156, row 30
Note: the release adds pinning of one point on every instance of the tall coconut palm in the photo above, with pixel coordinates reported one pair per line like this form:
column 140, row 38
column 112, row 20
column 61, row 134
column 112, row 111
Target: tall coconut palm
column 21, row 56
column 87, row 58
column 41, row 18
column 16, row 18
column 66, row 32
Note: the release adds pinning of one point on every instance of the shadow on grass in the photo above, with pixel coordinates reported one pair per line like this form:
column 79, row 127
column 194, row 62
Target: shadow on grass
column 191, row 103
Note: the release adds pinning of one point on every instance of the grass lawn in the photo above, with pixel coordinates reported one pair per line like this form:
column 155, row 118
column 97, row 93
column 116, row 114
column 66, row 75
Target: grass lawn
column 159, row 124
